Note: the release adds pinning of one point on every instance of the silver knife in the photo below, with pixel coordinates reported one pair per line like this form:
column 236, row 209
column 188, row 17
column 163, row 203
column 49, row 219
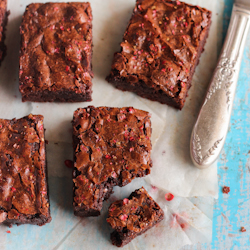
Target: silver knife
column 210, row 130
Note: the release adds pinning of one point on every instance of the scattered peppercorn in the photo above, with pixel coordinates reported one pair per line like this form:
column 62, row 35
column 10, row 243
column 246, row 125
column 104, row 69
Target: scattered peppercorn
column 226, row 190
column 169, row 196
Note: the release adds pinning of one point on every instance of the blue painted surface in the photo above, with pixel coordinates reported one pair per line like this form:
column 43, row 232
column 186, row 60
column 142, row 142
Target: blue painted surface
column 232, row 211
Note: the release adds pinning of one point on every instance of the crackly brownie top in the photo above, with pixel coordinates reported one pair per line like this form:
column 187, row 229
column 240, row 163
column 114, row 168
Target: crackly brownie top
column 22, row 170
column 56, row 47
column 3, row 5
column 160, row 44
column 136, row 213
column 110, row 144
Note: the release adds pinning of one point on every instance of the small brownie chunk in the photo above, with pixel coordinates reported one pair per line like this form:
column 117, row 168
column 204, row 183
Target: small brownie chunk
column 3, row 22
column 56, row 53
column 111, row 147
column 133, row 216
column 23, row 172
column 160, row 50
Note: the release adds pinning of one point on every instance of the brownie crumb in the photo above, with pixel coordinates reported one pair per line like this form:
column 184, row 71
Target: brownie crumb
column 226, row 190
column 69, row 163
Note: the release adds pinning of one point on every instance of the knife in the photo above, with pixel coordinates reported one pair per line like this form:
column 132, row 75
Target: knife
column 210, row 130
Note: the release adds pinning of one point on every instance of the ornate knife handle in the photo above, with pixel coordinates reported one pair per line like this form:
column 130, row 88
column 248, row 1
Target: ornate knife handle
column 212, row 124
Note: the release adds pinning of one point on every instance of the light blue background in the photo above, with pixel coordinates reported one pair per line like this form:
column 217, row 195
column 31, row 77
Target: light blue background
column 232, row 211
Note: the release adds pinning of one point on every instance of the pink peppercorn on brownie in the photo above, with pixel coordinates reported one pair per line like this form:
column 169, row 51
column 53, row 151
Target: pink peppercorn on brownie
column 23, row 172
column 160, row 50
column 111, row 147
column 133, row 216
column 56, row 52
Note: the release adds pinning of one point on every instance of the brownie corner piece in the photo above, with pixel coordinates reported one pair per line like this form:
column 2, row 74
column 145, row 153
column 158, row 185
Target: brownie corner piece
column 3, row 22
column 23, row 172
column 133, row 216
column 56, row 52
column 112, row 146
column 160, row 50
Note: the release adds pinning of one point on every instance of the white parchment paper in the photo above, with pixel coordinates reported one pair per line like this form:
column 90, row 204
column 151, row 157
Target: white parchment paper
column 187, row 220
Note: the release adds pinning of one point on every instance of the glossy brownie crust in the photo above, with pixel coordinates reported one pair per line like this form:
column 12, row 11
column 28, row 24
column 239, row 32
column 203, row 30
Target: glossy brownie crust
column 133, row 216
column 3, row 23
column 111, row 147
column 23, row 172
column 160, row 50
column 56, row 53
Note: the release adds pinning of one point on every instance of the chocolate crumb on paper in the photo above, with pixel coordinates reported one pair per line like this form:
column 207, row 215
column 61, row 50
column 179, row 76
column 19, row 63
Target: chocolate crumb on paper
column 226, row 190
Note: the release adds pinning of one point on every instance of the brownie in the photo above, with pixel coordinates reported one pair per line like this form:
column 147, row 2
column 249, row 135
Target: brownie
column 56, row 53
column 23, row 172
column 111, row 147
column 3, row 23
column 160, row 50
column 133, row 216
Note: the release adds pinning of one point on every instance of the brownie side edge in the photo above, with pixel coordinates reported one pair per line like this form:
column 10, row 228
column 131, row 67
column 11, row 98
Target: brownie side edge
column 3, row 47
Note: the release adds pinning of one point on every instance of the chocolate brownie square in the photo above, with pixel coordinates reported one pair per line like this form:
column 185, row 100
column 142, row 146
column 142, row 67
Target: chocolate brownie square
column 160, row 50
column 56, row 52
column 23, row 172
column 133, row 216
column 111, row 147
column 3, row 23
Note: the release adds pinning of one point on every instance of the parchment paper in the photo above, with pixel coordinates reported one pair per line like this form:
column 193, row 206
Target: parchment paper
column 172, row 168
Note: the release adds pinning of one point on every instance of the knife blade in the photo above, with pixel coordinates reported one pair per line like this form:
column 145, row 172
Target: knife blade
column 210, row 130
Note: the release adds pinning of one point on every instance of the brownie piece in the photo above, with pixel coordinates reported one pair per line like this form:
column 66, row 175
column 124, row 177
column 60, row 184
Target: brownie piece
column 3, row 23
column 23, row 172
column 133, row 216
column 111, row 147
column 56, row 53
column 160, row 50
